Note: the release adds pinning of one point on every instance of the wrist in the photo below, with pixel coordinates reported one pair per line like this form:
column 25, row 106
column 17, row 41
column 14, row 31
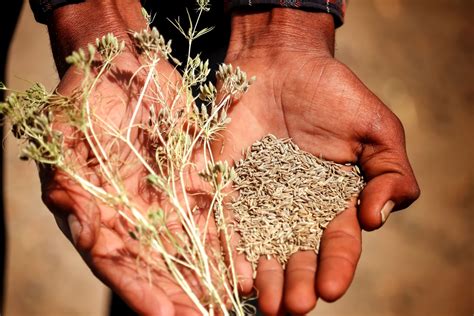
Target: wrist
column 74, row 26
column 281, row 30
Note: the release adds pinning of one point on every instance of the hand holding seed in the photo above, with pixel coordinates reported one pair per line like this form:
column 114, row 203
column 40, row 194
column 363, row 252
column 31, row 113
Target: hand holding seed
column 304, row 94
column 121, row 154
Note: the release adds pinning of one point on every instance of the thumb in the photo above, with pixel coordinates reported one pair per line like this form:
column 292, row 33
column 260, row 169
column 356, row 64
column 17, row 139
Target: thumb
column 384, row 194
column 75, row 210
column 391, row 184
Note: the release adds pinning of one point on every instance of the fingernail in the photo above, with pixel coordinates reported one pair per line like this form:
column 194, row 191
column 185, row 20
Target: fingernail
column 386, row 210
column 75, row 227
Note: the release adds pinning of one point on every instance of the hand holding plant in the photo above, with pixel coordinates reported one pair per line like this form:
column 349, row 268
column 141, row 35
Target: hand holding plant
column 130, row 159
column 127, row 169
column 99, row 233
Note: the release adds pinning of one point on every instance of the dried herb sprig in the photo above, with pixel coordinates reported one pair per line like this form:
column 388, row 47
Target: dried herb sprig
column 174, row 130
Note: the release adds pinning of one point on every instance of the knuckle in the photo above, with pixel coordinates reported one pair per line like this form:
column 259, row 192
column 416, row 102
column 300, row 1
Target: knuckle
column 342, row 235
column 394, row 125
column 50, row 192
column 49, row 197
column 397, row 123
column 413, row 191
column 56, row 200
column 385, row 125
column 409, row 194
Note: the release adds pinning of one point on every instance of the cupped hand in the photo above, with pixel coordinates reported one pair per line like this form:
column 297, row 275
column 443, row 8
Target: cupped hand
column 98, row 232
column 303, row 93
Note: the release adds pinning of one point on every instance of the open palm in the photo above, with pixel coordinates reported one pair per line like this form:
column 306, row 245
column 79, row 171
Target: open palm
column 97, row 231
column 323, row 107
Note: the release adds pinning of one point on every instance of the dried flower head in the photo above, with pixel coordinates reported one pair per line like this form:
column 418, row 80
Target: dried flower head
column 159, row 136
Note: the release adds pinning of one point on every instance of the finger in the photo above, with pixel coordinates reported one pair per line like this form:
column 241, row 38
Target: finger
column 300, row 283
column 230, row 240
column 210, row 238
column 339, row 253
column 65, row 198
column 269, row 285
column 243, row 268
column 153, row 268
column 120, row 272
column 391, row 184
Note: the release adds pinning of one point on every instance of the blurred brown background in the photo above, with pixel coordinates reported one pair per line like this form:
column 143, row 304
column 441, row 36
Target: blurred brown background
column 417, row 56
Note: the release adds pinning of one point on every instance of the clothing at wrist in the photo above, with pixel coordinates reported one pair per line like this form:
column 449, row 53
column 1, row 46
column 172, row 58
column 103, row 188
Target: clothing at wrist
column 336, row 8
column 42, row 9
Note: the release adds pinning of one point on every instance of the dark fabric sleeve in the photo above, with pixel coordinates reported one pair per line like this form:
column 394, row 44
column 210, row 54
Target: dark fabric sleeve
column 43, row 8
column 334, row 7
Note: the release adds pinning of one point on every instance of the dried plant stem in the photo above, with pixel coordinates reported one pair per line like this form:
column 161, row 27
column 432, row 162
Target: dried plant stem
column 159, row 137
column 141, row 96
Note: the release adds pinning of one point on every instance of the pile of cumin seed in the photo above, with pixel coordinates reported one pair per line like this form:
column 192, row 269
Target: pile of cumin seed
column 287, row 197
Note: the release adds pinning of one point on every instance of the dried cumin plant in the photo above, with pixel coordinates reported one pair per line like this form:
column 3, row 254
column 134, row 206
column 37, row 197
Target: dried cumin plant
column 159, row 134
column 286, row 198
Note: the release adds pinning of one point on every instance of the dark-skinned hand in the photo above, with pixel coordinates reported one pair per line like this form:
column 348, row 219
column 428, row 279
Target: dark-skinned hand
column 96, row 230
column 304, row 93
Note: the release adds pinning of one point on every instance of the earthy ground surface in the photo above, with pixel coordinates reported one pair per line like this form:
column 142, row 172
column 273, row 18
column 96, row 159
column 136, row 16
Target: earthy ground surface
column 417, row 57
